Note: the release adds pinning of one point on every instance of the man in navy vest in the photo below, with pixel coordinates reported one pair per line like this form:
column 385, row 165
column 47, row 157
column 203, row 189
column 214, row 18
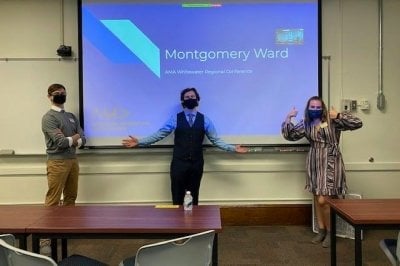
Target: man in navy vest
column 190, row 127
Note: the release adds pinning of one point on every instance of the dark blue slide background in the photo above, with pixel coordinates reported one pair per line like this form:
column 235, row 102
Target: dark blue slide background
column 269, row 64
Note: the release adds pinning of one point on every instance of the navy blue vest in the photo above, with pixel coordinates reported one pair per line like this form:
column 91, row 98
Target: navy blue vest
column 188, row 142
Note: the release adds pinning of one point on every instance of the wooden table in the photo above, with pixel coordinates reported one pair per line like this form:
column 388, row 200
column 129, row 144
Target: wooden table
column 363, row 214
column 120, row 222
column 14, row 219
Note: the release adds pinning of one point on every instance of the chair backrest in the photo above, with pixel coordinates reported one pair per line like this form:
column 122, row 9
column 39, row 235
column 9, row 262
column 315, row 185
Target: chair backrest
column 391, row 248
column 398, row 248
column 189, row 250
column 8, row 238
column 12, row 256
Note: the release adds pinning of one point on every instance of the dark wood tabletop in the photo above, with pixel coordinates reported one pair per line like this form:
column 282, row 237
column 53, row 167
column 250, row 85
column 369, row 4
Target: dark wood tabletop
column 16, row 218
column 368, row 211
column 127, row 219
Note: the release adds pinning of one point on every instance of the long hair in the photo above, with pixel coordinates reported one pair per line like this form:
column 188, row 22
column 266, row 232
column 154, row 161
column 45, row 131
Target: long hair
column 325, row 115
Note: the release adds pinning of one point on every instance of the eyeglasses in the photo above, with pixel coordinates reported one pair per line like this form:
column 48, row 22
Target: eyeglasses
column 58, row 93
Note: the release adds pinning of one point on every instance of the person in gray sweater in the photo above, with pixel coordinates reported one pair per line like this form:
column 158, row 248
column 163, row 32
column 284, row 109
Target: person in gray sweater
column 63, row 135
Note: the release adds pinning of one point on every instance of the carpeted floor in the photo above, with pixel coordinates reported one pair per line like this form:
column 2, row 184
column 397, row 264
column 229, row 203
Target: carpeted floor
column 254, row 245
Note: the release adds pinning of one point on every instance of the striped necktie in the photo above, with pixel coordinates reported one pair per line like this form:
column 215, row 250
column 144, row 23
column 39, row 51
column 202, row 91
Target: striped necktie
column 191, row 119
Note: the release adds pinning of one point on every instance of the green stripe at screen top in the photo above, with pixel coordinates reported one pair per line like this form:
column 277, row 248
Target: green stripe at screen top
column 201, row 5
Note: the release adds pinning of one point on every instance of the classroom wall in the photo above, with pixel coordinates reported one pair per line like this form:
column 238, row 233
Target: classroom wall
column 30, row 33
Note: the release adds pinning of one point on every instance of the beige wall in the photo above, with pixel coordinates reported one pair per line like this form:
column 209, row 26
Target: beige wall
column 350, row 39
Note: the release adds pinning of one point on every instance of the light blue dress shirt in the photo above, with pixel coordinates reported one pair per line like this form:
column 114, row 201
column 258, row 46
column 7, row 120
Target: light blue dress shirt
column 171, row 124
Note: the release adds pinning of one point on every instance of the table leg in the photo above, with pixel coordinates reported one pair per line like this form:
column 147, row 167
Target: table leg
column 22, row 241
column 64, row 248
column 215, row 251
column 54, row 252
column 333, row 237
column 35, row 244
column 357, row 246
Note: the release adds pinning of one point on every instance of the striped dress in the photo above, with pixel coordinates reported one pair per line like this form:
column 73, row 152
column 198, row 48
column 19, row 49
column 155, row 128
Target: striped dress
column 325, row 167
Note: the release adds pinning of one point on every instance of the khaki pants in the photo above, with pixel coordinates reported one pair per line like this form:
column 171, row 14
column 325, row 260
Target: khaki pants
column 62, row 178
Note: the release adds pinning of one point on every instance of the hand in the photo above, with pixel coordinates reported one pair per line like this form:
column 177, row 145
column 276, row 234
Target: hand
column 75, row 139
column 58, row 131
column 292, row 113
column 241, row 149
column 130, row 142
column 333, row 113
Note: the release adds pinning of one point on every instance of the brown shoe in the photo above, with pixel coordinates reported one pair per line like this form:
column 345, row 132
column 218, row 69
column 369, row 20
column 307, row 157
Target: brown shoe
column 327, row 241
column 319, row 237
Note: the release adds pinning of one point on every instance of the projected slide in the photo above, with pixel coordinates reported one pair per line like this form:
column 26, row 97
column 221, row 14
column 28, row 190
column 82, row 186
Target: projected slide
column 250, row 62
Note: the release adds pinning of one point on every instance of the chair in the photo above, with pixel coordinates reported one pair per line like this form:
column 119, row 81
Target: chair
column 8, row 238
column 391, row 248
column 191, row 250
column 13, row 256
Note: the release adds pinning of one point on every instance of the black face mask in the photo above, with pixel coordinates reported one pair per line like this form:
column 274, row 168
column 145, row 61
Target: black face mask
column 315, row 114
column 59, row 98
column 190, row 103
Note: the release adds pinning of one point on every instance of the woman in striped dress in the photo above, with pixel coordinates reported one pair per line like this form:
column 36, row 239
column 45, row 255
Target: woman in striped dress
column 325, row 167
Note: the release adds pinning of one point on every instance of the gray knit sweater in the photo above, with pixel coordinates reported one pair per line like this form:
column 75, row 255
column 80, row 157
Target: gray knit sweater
column 56, row 127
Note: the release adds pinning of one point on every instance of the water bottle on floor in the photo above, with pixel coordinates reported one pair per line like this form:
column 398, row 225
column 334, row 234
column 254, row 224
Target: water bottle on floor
column 188, row 201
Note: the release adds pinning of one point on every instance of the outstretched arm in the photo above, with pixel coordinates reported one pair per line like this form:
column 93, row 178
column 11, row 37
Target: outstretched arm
column 164, row 131
column 212, row 135
column 240, row 149
column 130, row 142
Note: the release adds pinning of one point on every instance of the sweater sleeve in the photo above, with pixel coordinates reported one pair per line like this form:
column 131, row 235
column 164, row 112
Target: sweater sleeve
column 53, row 134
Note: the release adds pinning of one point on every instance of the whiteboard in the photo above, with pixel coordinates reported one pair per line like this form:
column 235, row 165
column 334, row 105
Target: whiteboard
column 23, row 99
column 29, row 64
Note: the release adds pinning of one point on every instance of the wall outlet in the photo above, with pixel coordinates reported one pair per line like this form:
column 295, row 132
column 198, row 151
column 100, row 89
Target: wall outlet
column 349, row 105
column 346, row 103
column 353, row 106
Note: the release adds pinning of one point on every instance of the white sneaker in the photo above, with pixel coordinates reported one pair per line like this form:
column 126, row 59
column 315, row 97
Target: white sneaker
column 45, row 248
